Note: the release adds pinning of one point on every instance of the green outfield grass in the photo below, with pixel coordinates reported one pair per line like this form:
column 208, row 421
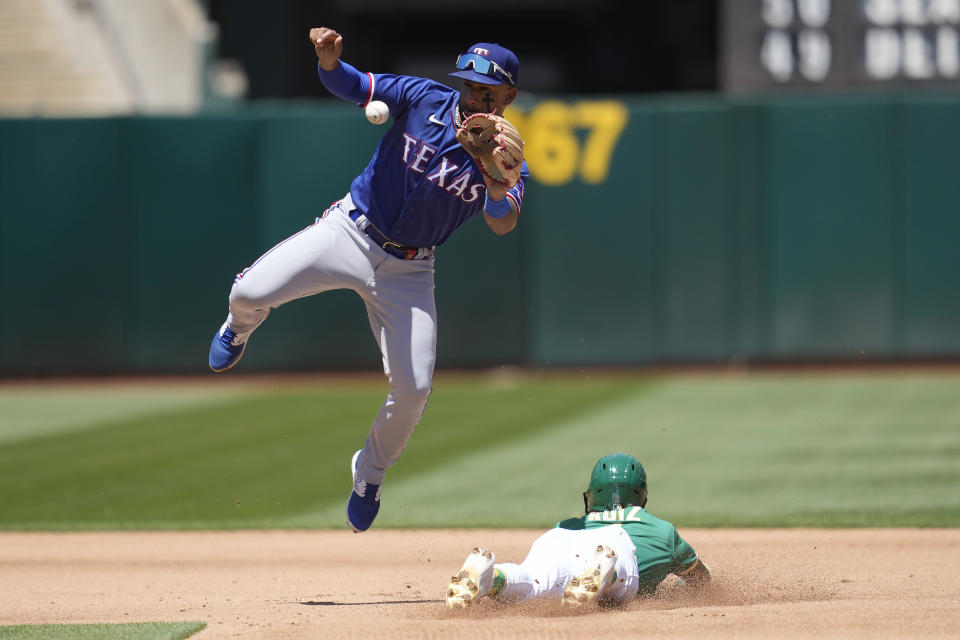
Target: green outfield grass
column 801, row 449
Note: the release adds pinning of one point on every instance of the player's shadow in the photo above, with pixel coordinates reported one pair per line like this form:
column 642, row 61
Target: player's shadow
column 332, row 603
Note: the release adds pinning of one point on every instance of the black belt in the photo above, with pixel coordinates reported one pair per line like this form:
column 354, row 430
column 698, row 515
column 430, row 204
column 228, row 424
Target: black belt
column 394, row 249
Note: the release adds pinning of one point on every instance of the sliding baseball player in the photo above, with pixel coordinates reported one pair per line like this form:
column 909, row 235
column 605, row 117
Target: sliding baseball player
column 616, row 551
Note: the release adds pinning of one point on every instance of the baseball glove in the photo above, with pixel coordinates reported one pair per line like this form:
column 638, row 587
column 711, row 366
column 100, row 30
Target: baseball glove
column 495, row 145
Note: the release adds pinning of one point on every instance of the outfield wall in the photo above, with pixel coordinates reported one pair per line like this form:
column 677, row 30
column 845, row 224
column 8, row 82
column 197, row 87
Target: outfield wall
column 655, row 230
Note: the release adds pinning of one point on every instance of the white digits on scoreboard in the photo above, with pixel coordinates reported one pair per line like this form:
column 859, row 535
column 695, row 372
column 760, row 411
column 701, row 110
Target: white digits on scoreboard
column 886, row 13
column 778, row 13
column 915, row 39
column 815, row 54
column 882, row 53
column 948, row 52
column 808, row 50
column 814, row 13
column 881, row 12
column 776, row 54
column 917, row 55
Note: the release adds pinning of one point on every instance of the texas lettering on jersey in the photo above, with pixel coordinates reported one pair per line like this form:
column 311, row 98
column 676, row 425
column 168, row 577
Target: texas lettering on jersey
column 417, row 156
column 420, row 185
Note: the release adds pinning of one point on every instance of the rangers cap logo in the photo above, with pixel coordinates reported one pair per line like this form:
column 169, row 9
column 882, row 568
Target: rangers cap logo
column 488, row 63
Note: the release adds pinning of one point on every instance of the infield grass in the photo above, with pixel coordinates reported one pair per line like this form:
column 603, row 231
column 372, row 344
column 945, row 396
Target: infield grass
column 778, row 449
column 126, row 631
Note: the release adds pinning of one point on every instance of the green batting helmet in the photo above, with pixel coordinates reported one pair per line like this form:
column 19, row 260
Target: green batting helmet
column 617, row 480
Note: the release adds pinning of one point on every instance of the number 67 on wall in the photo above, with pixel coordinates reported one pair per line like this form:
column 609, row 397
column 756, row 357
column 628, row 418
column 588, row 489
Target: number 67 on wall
column 553, row 149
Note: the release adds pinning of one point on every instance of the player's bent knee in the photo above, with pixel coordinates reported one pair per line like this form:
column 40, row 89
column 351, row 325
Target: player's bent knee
column 411, row 395
column 245, row 296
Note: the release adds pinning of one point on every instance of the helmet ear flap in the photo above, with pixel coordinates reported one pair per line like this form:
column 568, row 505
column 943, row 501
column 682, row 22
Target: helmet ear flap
column 639, row 496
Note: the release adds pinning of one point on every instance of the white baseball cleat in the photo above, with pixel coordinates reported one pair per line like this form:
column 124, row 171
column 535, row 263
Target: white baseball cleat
column 474, row 581
column 589, row 585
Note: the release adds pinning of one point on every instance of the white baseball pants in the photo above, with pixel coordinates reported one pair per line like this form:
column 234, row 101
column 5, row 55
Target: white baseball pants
column 334, row 254
column 560, row 555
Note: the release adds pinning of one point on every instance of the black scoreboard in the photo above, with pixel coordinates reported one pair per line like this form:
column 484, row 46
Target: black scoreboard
column 839, row 43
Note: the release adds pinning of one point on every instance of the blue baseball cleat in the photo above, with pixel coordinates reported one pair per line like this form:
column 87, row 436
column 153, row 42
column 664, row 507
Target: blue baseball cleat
column 225, row 351
column 364, row 501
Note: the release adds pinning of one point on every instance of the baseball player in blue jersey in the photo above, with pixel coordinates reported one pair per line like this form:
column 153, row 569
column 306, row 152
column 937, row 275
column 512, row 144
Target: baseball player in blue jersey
column 379, row 239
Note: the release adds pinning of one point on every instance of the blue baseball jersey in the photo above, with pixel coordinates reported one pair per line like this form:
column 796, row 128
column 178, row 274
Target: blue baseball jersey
column 420, row 184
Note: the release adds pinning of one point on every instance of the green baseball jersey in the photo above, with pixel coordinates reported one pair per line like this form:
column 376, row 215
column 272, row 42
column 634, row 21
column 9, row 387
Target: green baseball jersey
column 659, row 548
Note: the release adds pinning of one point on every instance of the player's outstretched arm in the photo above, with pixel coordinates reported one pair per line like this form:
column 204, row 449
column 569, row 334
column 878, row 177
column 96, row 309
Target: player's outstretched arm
column 328, row 45
column 697, row 575
column 337, row 76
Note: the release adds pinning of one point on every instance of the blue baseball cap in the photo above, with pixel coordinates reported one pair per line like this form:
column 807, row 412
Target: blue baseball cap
column 488, row 63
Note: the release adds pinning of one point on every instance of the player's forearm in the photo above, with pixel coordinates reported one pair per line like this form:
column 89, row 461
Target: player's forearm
column 696, row 575
column 504, row 225
column 499, row 211
column 344, row 81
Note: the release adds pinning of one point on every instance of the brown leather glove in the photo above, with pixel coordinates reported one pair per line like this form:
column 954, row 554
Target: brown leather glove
column 495, row 145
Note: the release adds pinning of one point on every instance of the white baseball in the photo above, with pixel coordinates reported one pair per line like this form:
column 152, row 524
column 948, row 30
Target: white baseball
column 377, row 112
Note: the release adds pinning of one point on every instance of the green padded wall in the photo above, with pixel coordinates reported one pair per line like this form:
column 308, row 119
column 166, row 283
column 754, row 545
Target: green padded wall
column 929, row 225
column 700, row 229
column 833, row 191
column 66, row 273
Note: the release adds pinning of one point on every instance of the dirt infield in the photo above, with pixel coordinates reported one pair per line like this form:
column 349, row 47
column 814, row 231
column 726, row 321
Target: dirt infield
column 774, row 583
